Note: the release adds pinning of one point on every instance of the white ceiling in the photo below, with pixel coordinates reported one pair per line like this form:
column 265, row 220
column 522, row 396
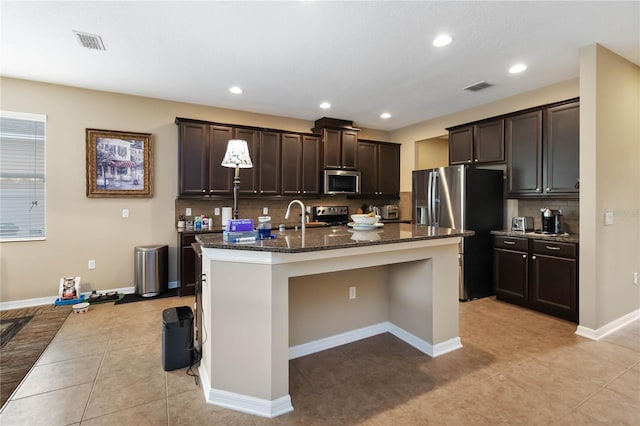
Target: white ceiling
column 364, row 57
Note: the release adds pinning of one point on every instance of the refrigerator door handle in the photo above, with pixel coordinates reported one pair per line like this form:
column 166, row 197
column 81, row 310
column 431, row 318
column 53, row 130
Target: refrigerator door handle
column 435, row 199
column 429, row 198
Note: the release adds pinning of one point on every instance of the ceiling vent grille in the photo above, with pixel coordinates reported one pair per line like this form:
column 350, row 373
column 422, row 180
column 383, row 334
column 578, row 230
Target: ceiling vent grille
column 478, row 86
column 90, row 41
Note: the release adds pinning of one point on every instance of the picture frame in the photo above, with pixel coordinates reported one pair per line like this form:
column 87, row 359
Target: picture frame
column 119, row 164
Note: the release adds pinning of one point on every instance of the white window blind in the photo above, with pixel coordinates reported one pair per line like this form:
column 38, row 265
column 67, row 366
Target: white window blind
column 22, row 176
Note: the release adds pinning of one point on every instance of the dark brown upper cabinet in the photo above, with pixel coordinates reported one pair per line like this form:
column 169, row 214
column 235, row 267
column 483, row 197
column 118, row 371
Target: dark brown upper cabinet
column 249, row 177
column 379, row 165
column 269, row 163
column 339, row 149
column 284, row 163
column 543, row 152
column 300, row 165
column 201, row 150
column 524, row 154
column 480, row 143
column 562, row 149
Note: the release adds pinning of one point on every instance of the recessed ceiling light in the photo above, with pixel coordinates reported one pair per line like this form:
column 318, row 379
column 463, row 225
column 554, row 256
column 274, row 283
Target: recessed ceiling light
column 517, row 68
column 236, row 90
column 442, row 40
column 385, row 115
column 325, row 105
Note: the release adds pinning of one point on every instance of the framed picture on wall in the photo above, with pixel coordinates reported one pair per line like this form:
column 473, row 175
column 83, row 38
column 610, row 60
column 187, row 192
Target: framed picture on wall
column 119, row 164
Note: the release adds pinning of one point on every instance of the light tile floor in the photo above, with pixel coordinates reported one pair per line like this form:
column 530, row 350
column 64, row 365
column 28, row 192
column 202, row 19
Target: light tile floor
column 517, row 367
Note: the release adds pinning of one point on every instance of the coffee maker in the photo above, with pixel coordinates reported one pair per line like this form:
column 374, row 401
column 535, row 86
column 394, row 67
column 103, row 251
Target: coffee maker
column 551, row 221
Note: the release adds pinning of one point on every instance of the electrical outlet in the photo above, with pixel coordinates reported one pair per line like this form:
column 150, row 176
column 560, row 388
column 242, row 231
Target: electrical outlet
column 91, row 264
column 187, row 211
column 265, row 211
column 216, row 211
column 635, row 278
column 608, row 218
column 125, row 213
column 352, row 292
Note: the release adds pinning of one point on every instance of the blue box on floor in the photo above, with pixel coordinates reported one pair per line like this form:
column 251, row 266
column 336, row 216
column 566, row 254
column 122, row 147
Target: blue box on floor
column 177, row 338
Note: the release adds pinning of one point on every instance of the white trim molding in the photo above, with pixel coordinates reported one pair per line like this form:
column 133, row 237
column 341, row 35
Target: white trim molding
column 49, row 300
column 337, row 340
column 608, row 328
column 249, row 404
column 373, row 330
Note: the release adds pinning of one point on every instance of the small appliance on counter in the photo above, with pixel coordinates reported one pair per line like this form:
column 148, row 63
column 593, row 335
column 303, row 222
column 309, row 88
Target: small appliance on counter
column 522, row 224
column 551, row 221
column 389, row 212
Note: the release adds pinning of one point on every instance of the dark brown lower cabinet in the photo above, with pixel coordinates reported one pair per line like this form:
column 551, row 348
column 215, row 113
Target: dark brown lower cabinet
column 553, row 279
column 538, row 274
column 197, row 270
column 510, row 269
column 186, row 264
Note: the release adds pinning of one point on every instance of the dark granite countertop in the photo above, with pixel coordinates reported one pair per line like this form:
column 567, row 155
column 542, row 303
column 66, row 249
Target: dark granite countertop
column 334, row 237
column 561, row 238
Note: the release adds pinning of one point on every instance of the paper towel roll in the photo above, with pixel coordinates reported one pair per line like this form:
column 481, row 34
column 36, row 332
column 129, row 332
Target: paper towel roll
column 226, row 215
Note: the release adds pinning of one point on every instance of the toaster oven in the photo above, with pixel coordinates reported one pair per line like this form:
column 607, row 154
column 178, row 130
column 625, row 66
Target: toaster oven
column 522, row 224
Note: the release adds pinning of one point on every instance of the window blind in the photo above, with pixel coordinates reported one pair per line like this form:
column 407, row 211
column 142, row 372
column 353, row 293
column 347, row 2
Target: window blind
column 22, row 176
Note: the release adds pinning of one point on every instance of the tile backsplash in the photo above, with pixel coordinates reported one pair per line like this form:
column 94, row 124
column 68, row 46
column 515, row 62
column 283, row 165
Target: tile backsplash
column 252, row 208
column 570, row 212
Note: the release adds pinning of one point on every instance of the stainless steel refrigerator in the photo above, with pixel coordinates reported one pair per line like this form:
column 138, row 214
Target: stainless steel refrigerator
column 463, row 197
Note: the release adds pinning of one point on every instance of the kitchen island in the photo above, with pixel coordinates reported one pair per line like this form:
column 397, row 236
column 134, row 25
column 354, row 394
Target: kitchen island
column 247, row 302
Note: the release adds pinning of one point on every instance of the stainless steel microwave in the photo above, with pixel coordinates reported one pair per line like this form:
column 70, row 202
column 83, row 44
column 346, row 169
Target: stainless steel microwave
column 345, row 182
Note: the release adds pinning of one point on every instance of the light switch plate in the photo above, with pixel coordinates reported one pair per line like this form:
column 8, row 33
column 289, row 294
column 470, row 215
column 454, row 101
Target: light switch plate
column 187, row 211
column 125, row 213
column 216, row 211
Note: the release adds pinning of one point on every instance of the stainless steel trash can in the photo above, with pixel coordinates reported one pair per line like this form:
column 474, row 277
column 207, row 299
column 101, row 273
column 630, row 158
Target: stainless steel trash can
column 177, row 337
column 151, row 270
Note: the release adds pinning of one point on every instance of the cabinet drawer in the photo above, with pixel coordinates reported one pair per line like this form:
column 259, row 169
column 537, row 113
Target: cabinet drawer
column 511, row 243
column 552, row 248
column 187, row 239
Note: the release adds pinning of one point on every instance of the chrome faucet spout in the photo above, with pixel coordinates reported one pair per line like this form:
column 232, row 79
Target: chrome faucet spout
column 303, row 211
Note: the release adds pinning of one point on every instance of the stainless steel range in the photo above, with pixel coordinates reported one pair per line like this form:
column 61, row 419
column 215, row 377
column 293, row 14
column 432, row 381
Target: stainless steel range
column 333, row 215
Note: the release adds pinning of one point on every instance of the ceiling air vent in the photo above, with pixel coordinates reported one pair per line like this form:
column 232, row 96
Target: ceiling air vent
column 478, row 86
column 90, row 41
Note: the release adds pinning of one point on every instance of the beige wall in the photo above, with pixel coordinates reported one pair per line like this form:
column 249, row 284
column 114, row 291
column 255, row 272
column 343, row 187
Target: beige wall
column 432, row 153
column 609, row 181
column 78, row 228
column 408, row 136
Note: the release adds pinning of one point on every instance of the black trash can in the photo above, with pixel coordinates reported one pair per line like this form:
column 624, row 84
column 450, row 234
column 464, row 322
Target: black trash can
column 177, row 337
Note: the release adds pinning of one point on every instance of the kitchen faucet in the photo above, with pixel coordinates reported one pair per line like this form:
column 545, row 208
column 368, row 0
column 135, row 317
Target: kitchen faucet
column 302, row 215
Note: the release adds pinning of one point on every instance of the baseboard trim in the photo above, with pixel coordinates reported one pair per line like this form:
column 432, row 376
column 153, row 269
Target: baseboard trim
column 423, row 346
column 248, row 404
column 373, row 330
column 608, row 328
column 337, row 340
column 27, row 303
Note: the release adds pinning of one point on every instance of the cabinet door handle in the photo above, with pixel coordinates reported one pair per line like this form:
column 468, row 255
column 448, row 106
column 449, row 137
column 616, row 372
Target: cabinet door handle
column 476, row 160
column 552, row 248
column 511, row 243
column 548, row 189
column 533, row 258
column 524, row 256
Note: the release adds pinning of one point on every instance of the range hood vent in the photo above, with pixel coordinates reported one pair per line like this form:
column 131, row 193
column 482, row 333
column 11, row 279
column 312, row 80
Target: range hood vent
column 90, row 41
column 478, row 86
